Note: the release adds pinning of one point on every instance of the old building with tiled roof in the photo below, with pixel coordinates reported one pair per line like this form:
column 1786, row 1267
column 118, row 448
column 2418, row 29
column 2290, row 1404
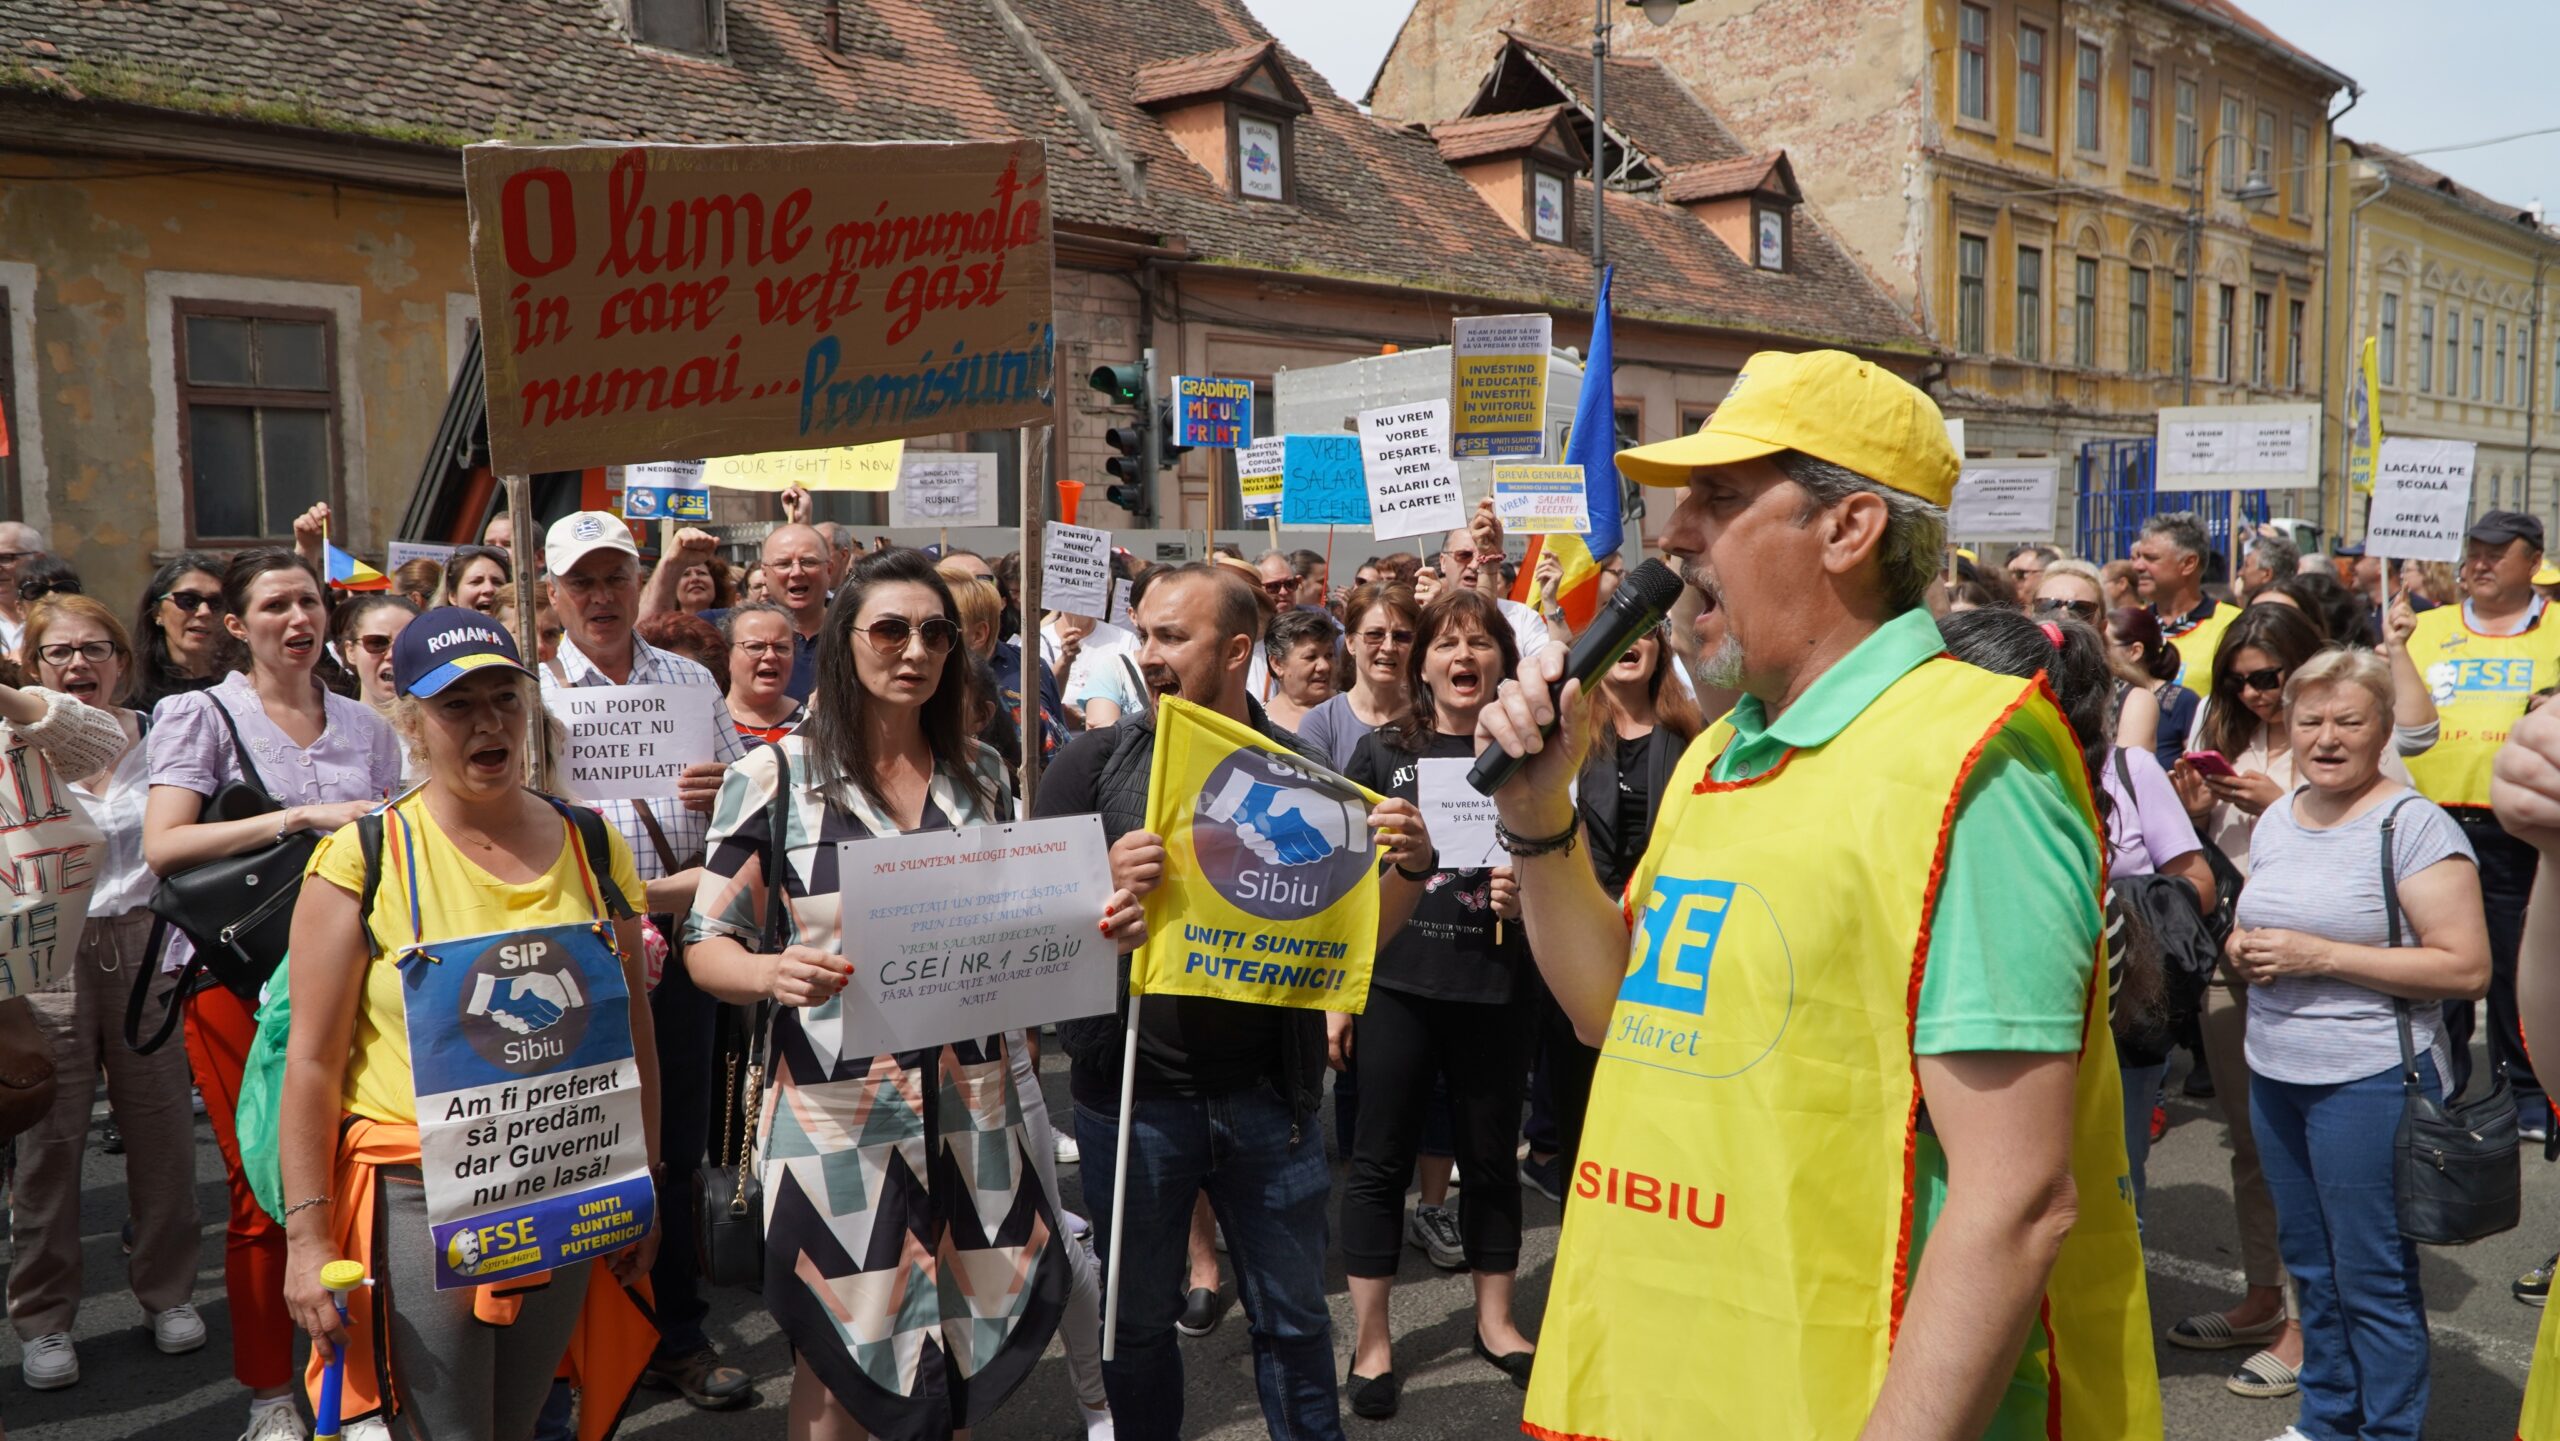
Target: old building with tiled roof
column 2021, row 176
column 284, row 179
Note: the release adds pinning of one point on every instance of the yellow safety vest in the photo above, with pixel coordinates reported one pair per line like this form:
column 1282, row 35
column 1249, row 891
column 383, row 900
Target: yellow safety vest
column 2197, row 644
column 2541, row 1418
column 1736, row 1258
column 2480, row 683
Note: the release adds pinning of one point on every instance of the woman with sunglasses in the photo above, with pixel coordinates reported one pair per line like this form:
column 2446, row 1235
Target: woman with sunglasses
column 886, row 751
column 2073, row 587
column 325, row 760
column 1382, row 620
column 46, row 575
column 365, row 627
column 76, row 646
column 179, row 629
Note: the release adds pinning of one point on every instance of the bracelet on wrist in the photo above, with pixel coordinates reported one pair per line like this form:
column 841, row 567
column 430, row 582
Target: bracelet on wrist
column 305, row 1204
column 1523, row 847
column 1423, row 874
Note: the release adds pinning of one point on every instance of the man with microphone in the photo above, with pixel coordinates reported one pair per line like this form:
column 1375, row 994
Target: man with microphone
column 1853, row 1161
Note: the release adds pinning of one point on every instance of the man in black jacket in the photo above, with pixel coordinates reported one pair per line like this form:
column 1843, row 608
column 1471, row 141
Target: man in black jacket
column 1227, row 1092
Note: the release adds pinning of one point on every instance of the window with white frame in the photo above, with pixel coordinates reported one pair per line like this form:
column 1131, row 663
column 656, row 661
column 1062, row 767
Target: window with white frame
column 257, row 401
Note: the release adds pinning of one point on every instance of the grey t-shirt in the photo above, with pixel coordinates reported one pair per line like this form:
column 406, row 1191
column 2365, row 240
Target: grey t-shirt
column 1334, row 730
column 2317, row 1030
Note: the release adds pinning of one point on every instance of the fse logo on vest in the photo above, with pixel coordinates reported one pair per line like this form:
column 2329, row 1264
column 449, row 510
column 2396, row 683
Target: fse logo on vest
column 1712, row 983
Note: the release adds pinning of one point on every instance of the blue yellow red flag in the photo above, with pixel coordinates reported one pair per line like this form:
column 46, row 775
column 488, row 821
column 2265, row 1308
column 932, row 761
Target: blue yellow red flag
column 1593, row 445
column 348, row 573
column 1270, row 890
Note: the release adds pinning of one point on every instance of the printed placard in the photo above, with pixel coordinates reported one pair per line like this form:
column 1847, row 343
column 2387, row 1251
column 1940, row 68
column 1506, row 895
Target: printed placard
column 665, row 490
column 531, row 1137
column 2421, row 499
column 2239, row 447
column 846, row 467
column 401, row 552
column 1542, row 499
column 660, row 302
column 1498, row 383
column 1258, row 476
column 1321, row 481
column 1075, row 569
column 974, row 931
column 630, row 742
column 1212, row 412
column 1404, row 457
column 1460, row 820
column 944, row 487
column 2003, row 500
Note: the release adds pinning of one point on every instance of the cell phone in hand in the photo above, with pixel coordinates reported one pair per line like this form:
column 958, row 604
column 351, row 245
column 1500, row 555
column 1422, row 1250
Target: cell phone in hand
column 2211, row 763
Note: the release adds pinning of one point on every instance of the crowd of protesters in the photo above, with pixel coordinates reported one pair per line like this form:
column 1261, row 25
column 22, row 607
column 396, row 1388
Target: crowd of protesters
column 2245, row 757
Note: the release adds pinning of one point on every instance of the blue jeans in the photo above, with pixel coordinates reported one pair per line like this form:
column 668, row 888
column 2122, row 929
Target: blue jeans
column 1270, row 1195
column 2327, row 1154
column 2141, row 1093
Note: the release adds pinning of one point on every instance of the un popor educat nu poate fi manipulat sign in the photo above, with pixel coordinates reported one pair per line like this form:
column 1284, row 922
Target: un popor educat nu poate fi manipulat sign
column 651, row 302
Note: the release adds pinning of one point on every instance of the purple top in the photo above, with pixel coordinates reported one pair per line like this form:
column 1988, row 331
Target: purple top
column 2148, row 828
column 356, row 757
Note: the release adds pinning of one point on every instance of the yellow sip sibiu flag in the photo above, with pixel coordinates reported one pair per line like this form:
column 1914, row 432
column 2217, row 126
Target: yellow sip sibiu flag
column 1270, row 889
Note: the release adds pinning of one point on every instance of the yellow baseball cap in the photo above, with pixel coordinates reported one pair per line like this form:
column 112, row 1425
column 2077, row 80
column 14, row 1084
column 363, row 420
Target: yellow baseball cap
column 2549, row 574
column 1827, row 403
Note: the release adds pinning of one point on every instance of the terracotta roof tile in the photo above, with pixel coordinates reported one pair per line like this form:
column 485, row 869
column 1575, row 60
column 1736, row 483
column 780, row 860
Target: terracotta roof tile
column 1482, row 135
column 1647, row 103
column 1198, row 75
column 2417, row 175
column 1717, row 179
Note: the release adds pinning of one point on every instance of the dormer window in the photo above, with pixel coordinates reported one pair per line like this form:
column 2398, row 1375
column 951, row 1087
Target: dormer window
column 1748, row 203
column 1233, row 111
column 1523, row 163
column 696, row 27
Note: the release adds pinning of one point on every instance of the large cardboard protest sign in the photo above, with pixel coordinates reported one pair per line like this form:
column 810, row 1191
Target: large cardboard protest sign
column 669, row 302
column 2421, row 499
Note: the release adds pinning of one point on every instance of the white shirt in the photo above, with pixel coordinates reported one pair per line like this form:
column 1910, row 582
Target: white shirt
column 124, row 882
column 1527, row 627
column 685, row 829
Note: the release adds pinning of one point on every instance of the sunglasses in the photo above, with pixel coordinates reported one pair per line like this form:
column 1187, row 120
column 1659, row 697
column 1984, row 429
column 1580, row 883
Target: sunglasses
column 375, row 645
column 1384, row 637
column 192, row 601
column 39, row 589
column 2085, row 609
column 890, row 634
column 1285, row 586
column 2265, row 682
column 95, row 652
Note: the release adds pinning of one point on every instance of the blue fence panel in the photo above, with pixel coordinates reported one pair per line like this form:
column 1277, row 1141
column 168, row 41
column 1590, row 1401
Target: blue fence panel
column 2116, row 495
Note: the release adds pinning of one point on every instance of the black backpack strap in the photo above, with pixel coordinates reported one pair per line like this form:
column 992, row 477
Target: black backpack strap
column 143, row 972
column 369, row 845
column 597, row 851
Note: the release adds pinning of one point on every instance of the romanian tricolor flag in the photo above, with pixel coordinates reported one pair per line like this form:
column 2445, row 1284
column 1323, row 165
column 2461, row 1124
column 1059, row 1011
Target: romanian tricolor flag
column 1593, row 445
column 348, row 573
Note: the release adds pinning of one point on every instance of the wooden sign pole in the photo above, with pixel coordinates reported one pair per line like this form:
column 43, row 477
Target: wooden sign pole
column 527, row 569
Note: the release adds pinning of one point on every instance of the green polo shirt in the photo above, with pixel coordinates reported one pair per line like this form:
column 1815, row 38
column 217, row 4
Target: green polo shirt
column 2015, row 936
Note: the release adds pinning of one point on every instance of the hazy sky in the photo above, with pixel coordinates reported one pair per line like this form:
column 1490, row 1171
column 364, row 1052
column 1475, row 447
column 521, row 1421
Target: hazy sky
column 2433, row 74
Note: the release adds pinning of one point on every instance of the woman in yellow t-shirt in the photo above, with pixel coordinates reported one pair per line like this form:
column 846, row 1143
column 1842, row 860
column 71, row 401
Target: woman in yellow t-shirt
column 500, row 924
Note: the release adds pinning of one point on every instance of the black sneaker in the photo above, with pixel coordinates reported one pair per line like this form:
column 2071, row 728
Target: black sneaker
column 1544, row 1177
column 111, row 1140
column 2534, row 1287
column 1202, row 1310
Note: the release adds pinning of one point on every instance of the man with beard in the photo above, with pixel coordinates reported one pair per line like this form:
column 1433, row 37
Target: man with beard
column 1872, row 1189
column 1226, row 1091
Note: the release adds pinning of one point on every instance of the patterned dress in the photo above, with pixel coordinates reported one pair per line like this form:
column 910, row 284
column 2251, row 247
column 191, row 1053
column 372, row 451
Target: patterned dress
column 911, row 1253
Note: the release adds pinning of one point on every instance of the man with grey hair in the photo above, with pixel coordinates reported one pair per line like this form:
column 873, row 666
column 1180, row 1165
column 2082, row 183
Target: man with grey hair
column 19, row 543
column 1871, row 898
column 2026, row 566
column 2271, row 558
column 2168, row 573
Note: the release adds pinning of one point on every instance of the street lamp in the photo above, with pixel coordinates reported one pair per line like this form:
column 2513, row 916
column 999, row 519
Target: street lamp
column 1657, row 13
column 2252, row 188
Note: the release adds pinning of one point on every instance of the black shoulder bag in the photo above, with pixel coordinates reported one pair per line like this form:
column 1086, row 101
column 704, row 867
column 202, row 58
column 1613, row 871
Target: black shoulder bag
column 238, row 909
column 728, row 1194
column 2455, row 1161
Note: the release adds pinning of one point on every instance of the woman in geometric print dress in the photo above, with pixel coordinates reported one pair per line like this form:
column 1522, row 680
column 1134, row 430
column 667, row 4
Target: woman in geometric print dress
column 912, row 1256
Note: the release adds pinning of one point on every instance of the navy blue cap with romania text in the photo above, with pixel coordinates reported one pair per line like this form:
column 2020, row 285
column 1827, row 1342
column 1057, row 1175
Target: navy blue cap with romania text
column 446, row 644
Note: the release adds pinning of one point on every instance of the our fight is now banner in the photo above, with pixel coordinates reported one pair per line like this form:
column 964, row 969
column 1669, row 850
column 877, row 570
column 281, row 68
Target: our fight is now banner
column 530, row 1132
column 1270, row 890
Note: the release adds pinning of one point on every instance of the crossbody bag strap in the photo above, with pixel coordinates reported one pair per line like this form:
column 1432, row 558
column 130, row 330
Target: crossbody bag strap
column 2391, row 932
column 777, row 900
column 248, row 768
column 657, row 837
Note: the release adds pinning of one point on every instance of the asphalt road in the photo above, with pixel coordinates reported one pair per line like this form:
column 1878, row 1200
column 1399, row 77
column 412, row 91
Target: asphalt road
column 2483, row 1339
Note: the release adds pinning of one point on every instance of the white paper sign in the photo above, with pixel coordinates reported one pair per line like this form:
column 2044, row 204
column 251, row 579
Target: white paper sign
column 401, row 552
column 2003, row 500
column 946, row 487
column 2239, row 447
column 965, row 933
column 1075, row 569
column 1120, row 602
column 2421, row 499
column 630, row 742
column 1258, row 468
column 1461, row 821
column 1542, row 499
column 1413, row 484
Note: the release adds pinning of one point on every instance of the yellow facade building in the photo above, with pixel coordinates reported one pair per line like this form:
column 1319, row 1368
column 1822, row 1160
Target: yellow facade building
column 2457, row 289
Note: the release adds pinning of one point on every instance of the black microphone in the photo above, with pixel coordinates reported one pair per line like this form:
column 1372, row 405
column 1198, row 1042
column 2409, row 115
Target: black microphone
column 1643, row 599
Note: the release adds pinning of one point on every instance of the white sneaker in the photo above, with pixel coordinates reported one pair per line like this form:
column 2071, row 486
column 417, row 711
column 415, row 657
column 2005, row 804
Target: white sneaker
column 2291, row 1433
column 50, row 1363
column 276, row 1423
column 1067, row 1151
column 1097, row 1424
column 177, row 1330
column 371, row 1428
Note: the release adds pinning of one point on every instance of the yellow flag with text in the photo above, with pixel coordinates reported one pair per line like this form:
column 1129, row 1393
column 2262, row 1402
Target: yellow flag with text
column 1270, row 889
column 2364, row 416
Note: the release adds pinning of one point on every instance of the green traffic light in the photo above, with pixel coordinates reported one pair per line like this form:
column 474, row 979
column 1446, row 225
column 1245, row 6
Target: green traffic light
column 1126, row 384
